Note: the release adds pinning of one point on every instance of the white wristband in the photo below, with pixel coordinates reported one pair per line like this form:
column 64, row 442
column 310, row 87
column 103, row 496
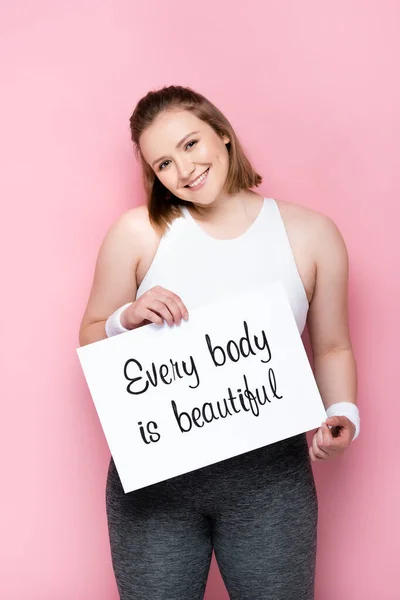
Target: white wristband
column 113, row 323
column 346, row 409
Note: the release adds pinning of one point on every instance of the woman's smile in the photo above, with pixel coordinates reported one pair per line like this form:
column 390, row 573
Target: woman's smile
column 199, row 182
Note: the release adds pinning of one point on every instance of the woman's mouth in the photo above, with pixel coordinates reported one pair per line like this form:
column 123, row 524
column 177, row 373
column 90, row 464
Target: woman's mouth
column 199, row 182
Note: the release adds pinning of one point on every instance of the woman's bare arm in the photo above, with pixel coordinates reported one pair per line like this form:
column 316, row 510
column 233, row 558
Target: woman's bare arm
column 334, row 363
column 114, row 281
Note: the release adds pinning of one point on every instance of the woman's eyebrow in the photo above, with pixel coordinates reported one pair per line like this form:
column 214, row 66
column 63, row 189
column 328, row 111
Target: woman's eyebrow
column 177, row 146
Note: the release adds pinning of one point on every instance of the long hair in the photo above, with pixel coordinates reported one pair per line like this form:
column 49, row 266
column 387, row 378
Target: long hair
column 163, row 206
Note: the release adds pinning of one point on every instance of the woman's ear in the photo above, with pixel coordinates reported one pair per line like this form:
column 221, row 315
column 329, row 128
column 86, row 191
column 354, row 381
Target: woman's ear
column 226, row 140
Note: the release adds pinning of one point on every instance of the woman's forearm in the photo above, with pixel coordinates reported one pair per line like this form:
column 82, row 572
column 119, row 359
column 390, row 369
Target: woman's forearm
column 92, row 333
column 335, row 372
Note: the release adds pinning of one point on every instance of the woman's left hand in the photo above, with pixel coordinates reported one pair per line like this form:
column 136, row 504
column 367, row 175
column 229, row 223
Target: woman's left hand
column 328, row 443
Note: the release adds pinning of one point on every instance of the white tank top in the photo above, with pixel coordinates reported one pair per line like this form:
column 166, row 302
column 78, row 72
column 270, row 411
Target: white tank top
column 200, row 268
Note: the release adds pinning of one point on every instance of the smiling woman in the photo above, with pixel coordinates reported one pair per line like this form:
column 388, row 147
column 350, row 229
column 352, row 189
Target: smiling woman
column 203, row 234
column 209, row 159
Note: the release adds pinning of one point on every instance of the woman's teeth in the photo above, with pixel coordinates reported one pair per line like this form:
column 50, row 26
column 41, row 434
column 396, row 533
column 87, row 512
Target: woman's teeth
column 198, row 180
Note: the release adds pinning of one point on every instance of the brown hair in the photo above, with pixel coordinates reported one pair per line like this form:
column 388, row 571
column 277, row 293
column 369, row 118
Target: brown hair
column 162, row 205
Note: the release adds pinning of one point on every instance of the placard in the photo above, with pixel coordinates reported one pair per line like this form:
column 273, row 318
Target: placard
column 231, row 379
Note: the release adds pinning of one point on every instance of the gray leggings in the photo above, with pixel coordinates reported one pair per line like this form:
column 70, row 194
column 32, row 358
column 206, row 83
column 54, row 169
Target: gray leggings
column 257, row 511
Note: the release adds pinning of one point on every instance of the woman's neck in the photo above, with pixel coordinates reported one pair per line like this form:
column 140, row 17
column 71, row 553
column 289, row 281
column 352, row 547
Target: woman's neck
column 236, row 207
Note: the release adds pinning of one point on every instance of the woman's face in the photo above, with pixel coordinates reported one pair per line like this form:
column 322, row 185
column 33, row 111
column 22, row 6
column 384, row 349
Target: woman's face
column 180, row 147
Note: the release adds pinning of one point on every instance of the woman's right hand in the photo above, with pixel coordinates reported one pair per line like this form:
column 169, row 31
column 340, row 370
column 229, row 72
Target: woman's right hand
column 154, row 306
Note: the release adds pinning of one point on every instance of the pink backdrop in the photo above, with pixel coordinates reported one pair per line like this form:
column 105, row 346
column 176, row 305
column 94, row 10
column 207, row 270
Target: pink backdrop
column 312, row 90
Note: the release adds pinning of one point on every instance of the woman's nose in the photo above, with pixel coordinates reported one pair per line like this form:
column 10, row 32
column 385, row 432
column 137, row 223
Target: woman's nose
column 185, row 168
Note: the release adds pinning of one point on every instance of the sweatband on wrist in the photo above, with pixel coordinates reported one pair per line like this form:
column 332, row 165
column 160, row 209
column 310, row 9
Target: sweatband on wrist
column 346, row 409
column 113, row 323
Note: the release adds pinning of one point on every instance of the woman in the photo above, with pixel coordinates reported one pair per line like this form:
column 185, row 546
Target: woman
column 205, row 232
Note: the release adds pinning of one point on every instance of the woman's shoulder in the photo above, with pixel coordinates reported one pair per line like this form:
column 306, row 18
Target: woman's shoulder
column 311, row 225
column 136, row 220
column 136, row 217
column 308, row 219
column 132, row 233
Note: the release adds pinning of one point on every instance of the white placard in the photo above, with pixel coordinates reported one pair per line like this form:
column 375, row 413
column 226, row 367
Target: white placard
column 231, row 379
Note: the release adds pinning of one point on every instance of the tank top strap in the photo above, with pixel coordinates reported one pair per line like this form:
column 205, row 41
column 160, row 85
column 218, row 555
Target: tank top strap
column 275, row 226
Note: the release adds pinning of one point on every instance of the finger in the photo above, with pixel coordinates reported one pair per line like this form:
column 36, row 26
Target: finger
column 159, row 294
column 182, row 307
column 162, row 310
column 162, row 300
column 342, row 431
column 315, row 447
column 158, row 289
column 342, row 426
column 326, row 436
column 337, row 421
column 174, row 309
column 336, row 425
column 341, row 442
column 174, row 301
column 312, row 455
column 336, row 431
column 331, row 444
column 320, row 437
column 319, row 452
column 149, row 315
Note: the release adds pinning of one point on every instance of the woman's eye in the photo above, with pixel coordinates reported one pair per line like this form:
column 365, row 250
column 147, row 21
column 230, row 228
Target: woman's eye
column 161, row 167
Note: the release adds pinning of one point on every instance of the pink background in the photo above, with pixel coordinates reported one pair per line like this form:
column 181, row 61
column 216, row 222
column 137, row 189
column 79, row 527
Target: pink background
column 312, row 89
